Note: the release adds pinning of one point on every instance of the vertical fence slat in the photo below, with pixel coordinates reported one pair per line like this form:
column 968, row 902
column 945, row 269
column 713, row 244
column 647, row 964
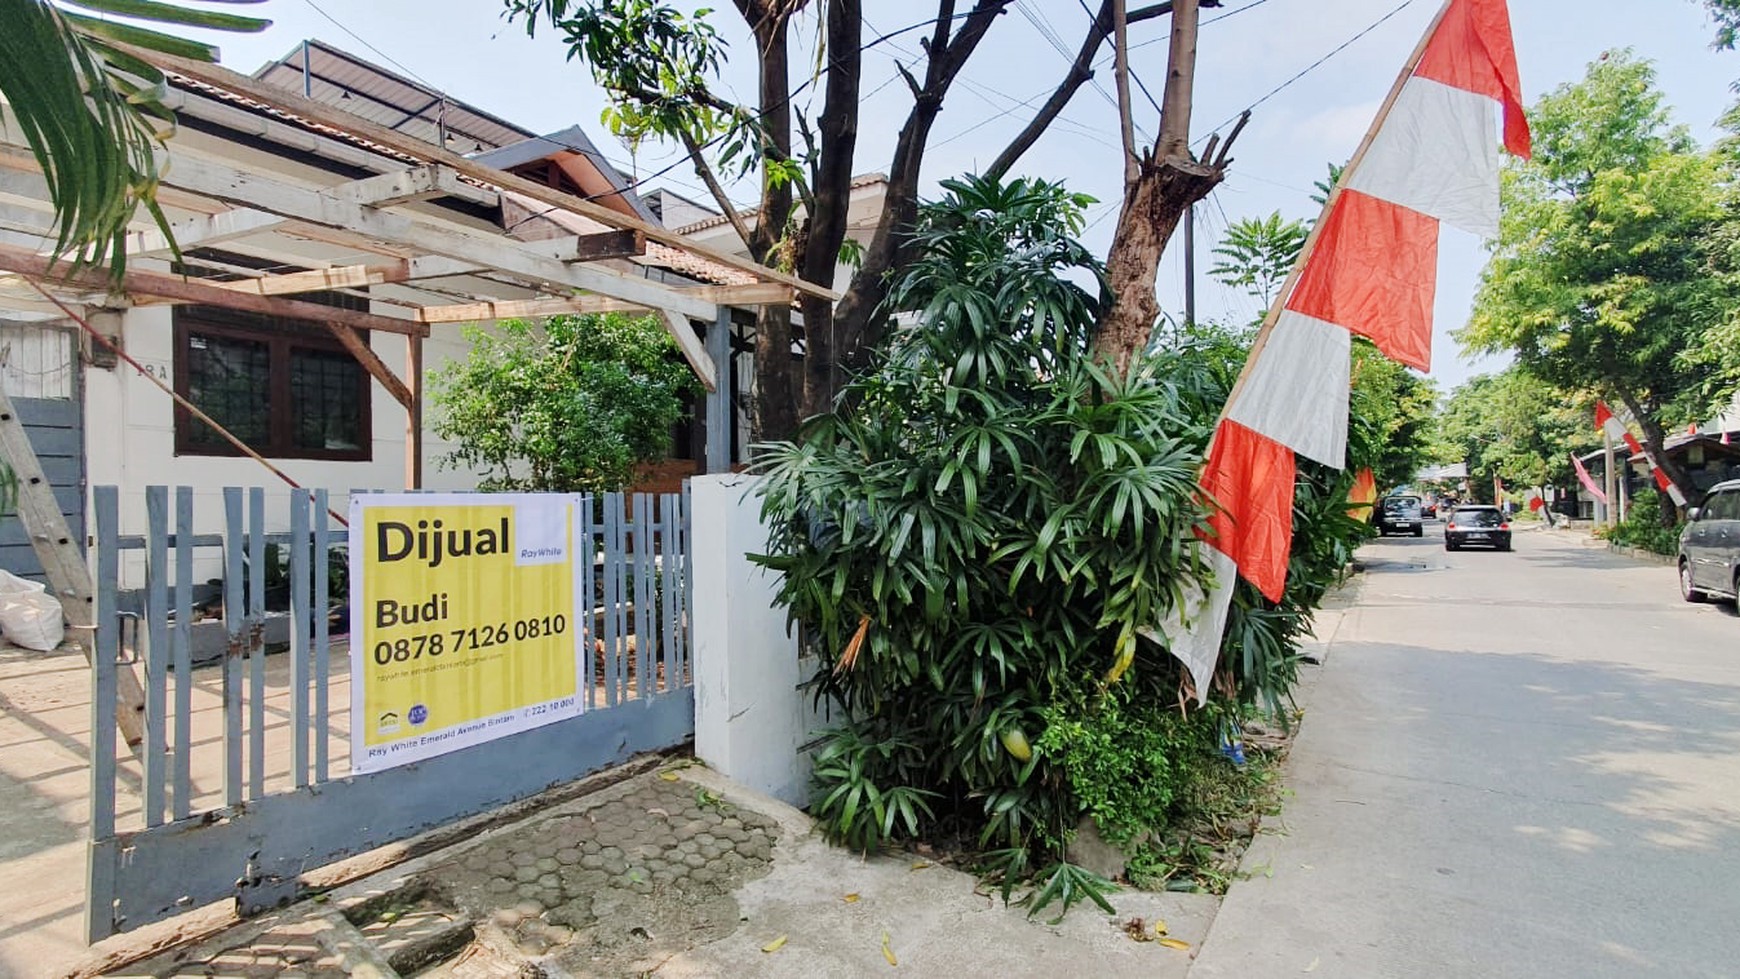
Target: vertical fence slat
column 686, row 617
column 156, row 652
column 620, row 608
column 612, row 598
column 257, row 643
column 322, row 642
column 588, row 625
column 103, row 658
column 235, row 624
column 301, row 616
column 183, row 651
column 668, row 590
column 646, row 637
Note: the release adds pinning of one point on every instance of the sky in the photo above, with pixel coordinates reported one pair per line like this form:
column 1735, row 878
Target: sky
column 1247, row 49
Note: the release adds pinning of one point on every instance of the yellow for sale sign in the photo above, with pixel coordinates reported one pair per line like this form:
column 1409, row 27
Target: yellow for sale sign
column 463, row 623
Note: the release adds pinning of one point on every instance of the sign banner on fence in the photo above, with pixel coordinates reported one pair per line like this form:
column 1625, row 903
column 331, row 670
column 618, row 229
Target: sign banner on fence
column 463, row 622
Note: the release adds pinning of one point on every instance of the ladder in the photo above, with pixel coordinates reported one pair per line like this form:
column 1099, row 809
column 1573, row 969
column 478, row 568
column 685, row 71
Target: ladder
column 69, row 578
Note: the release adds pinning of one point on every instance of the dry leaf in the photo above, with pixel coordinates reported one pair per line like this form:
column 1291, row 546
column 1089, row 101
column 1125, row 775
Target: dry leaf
column 656, row 811
column 775, row 945
column 1159, row 926
column 1313, row 966
column 669, row 776
column 1175, row 943
column 849, row 656
column 920, row 865
column 851, row 898
column 887, row 952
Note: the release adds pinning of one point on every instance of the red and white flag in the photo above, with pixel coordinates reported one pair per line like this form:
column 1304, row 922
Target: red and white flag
column 1587, row 480
column 1370, row 267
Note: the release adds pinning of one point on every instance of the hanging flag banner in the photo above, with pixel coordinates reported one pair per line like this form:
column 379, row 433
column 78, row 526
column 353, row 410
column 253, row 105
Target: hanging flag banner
column 1587, row 480
column 1614, row 428
column 462, row 621
column 1369, row 267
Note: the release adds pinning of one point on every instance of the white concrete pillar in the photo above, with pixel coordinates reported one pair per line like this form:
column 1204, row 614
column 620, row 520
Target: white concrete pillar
column 750, row 716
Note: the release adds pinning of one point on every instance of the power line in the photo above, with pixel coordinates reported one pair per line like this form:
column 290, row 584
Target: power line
column 1405, row 4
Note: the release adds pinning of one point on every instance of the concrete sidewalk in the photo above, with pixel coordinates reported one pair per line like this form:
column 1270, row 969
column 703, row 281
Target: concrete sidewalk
column 1513, row 765
column 680, row 874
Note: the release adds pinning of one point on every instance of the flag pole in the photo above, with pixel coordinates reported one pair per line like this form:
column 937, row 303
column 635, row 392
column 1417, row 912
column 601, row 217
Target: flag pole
column 1607, row 509
column 1347, row 172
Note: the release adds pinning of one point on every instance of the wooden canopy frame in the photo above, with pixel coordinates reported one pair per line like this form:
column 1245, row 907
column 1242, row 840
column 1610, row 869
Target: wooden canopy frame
column 444, row 264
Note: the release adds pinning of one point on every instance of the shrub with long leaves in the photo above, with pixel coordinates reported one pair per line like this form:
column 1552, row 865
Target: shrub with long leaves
column 983, row 534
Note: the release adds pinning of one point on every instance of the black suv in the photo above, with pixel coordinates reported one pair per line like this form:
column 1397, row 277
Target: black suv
column 1710, row 546
column 1399, row 515
column 1476, row 525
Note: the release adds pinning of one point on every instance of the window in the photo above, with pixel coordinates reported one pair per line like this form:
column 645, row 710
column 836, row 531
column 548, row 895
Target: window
column 285, row 387
column 1722, row 506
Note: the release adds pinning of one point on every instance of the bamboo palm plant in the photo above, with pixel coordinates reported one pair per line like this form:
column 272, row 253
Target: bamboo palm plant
column 92, row 110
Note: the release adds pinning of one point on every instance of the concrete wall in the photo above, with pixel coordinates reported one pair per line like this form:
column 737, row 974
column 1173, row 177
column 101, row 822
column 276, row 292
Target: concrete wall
column 751, row 719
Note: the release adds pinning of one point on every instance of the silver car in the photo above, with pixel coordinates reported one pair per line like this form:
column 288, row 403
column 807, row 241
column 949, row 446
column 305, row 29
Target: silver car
column 1710, row 546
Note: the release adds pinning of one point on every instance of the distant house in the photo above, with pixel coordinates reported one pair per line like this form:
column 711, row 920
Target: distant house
column 332, row 251
column 1708, row 453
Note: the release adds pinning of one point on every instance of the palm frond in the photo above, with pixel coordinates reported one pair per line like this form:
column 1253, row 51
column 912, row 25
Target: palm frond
column 92, row 113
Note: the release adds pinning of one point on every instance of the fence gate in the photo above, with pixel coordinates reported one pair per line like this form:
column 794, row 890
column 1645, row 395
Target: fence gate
column 247, row 699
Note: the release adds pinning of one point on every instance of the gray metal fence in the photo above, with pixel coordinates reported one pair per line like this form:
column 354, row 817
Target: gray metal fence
column 233, row 782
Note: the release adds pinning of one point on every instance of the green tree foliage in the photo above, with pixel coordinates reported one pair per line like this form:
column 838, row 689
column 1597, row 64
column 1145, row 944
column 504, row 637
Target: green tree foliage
column 570, row 405
column 91, row 112
column 1600, row 279
column 1515, row 426
column 1256, row 255
column 1726, row 15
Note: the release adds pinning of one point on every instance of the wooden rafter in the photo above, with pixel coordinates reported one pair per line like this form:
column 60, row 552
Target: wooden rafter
column 749, row 295
column 320, row 113
column 26, row 262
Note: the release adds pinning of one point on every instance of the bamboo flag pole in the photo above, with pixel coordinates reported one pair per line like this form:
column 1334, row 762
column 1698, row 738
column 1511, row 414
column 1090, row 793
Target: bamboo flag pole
column 1310, row 246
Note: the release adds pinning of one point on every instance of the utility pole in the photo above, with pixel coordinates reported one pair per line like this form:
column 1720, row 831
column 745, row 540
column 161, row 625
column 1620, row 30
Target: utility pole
column 1190, row 266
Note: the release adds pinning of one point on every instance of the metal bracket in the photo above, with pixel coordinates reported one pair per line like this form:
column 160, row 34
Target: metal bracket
column 257, row 893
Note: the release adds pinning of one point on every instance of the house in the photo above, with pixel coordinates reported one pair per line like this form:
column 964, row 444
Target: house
column 339, row 224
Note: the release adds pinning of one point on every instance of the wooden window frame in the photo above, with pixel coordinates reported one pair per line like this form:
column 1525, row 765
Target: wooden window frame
column 281, row 338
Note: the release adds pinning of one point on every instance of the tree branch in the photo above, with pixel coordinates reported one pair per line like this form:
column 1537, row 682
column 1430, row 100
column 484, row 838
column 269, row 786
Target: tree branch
column 1079, row 72
column 1121, row 77
column 705, row 172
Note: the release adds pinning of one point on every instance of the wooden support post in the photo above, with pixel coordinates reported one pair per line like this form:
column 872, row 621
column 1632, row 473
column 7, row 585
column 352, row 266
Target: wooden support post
column 69, row 578
column 414, row 413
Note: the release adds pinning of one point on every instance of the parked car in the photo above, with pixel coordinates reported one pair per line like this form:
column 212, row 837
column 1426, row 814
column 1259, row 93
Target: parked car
column 1400, row 515
column 1710, row 546
column 1430, row 509
column 1483, row 525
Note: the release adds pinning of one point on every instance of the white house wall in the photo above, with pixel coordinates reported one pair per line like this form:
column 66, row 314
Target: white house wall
column 130, row 439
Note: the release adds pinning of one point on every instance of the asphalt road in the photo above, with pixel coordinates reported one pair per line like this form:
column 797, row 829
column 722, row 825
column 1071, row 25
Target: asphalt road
column 1522, row 764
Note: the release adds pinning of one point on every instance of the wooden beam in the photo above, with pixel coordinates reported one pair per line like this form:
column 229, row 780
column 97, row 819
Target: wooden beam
column 327, row 115
column 203, row 230
column 694, row 351
column 758, row 294
column 316, row 280
column 414, row 413
column 606, row 244
column 27, row 262
column 399, row 187
column 492, row 251
column 372, row 363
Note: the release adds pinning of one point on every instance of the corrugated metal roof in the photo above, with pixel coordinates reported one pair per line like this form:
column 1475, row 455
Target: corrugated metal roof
column 328, row 74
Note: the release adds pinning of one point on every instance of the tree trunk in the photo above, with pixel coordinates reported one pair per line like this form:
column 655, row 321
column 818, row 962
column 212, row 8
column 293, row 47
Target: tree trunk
column 859, row 321
column 1166, row 183
column 831, row 183
column 775, row 414
column 1654, row 442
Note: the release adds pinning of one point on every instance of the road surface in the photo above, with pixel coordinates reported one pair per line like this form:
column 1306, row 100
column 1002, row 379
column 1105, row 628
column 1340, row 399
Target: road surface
column 1522, row 764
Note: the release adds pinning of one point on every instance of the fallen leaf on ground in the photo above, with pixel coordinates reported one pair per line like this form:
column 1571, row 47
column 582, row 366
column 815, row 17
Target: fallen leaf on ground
column 656, row 811
column 887, row 952
column 1159, row 926
column 1175, row 943
column 920, row 865
column 851, row 899
column 669, row 776
column 1313, row 966
column 775, row 945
